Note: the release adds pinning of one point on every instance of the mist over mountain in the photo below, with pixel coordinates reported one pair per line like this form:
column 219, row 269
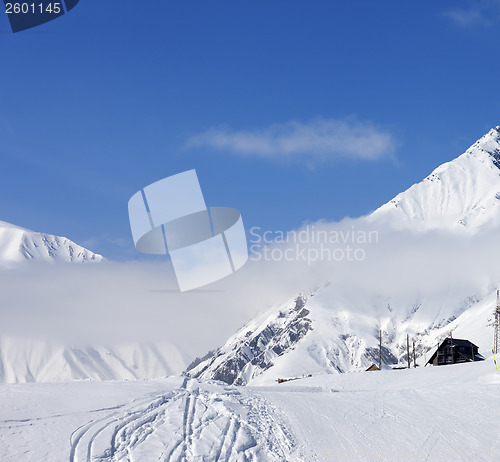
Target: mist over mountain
column 35, row 354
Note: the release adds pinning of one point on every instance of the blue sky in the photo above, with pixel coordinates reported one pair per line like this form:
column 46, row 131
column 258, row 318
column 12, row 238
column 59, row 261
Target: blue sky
column 289, row 110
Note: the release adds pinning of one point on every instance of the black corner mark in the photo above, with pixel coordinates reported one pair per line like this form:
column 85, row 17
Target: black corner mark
column 70, row 4
column 26, row 14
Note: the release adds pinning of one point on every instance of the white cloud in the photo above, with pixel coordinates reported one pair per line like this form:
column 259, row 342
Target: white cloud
column 479, row 13
column 318, row 141
column 466, row 18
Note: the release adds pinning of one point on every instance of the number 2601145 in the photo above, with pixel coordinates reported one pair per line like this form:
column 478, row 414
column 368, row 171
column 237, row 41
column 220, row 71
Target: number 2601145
column 33, row 8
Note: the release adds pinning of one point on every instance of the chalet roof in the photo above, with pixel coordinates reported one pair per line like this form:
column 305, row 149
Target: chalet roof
column 458, row 342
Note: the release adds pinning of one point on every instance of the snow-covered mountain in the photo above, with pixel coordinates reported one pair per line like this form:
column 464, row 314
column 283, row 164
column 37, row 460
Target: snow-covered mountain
column 336, row 328
column 18, row 245
column 463, row 194
column 332, row 331
column 254, row 348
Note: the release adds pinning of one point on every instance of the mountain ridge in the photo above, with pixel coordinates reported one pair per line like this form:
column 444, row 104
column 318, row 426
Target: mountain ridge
column 19, row 245
column 451, row 197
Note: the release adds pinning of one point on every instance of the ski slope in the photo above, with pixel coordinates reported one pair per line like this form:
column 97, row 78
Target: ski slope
column 446, row 413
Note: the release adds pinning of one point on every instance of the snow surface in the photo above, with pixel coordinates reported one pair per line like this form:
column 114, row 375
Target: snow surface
column 447, row 413
column 27, row 360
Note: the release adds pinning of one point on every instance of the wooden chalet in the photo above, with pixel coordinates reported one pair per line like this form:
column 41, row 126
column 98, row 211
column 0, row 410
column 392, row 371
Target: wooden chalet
column 455, row 350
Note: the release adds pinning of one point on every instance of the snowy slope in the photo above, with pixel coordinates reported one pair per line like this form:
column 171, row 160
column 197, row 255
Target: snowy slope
column 476, row 324
column 439, row 414
column 463, row 194
column 18, row 245
column 254, row 348
column 23, row 360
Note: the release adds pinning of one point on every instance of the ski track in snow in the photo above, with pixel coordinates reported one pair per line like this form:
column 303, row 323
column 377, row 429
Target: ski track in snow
column 445, row 414
column 217, row 421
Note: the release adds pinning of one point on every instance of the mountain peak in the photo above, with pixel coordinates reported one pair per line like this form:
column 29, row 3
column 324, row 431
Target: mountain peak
column 488, row 144
column 463, row 194
column 4, row 224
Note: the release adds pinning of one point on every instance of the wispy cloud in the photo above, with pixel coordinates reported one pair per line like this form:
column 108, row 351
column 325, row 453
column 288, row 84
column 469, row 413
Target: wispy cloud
column 479, row 13
column 318, row 141
column 466, row 18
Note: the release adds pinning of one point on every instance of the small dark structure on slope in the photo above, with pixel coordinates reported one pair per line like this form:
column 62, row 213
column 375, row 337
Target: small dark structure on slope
column 455, row 350
column 372, row 368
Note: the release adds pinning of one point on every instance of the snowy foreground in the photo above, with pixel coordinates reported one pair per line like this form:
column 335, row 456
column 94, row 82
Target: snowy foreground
column 447, row 413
